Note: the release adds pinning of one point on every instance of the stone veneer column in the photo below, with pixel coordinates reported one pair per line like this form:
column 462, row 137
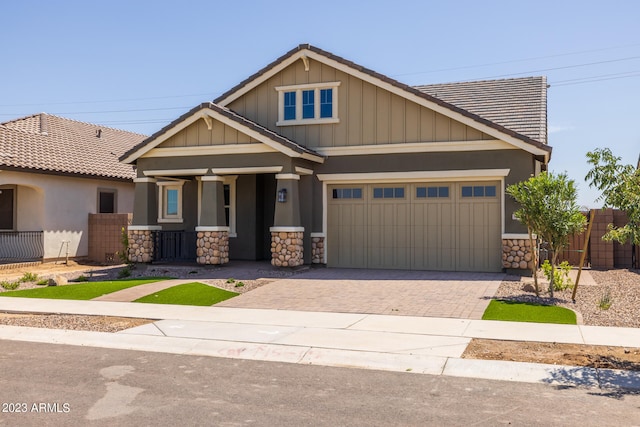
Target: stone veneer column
column 212, row 245
column 517, row 254
column 317, row 248
column 141, row 245
column 287, row 246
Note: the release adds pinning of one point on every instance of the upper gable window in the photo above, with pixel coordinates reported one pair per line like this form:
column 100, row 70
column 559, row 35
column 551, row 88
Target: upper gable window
column 308, row 104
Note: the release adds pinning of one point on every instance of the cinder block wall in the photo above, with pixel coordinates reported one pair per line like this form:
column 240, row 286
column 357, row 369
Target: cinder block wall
column 105, row 236
column 622, row 254
column 601, row 251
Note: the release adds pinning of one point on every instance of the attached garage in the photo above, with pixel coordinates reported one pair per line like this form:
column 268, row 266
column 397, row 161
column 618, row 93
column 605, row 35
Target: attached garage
column 454, row 226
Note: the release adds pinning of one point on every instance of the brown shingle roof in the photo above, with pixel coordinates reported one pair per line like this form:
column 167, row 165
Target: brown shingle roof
column 53, row 144
column 518, row 104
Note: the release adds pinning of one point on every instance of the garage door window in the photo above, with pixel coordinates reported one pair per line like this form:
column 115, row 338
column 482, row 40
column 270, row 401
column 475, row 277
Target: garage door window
column 432, row 192
column 388, row 193
column 347, row 193
column 479, row 191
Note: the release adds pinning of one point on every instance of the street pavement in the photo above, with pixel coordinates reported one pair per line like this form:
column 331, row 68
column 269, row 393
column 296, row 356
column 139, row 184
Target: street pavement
column 426, row 345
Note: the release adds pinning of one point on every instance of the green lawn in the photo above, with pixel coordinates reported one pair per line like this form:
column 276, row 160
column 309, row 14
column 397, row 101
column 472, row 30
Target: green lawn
column 81, row 291
column 189, row 294
column 524, row 312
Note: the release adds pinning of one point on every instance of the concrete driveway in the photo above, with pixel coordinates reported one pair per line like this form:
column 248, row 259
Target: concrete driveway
column 393, row 292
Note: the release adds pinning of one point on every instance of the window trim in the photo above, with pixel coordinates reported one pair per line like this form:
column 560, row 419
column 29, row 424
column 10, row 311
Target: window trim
column 163, row 187
column 230, row 180
column 115, row 199
column 299, row 89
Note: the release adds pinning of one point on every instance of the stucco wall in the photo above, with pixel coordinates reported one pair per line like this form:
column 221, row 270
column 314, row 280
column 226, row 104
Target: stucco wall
column 59, row 206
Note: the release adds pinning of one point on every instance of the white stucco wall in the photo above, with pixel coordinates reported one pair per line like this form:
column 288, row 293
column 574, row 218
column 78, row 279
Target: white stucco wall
column 59, row 206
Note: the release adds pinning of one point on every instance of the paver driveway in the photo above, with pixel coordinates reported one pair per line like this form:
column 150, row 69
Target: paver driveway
column 395, row 292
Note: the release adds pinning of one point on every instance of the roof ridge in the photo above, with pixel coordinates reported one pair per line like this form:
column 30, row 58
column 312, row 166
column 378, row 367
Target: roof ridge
column 94, row 124
column 482, row 81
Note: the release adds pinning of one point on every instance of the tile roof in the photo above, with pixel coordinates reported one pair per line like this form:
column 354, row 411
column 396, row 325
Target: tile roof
column 230, row 115
column 519, row 104
column 52, row 144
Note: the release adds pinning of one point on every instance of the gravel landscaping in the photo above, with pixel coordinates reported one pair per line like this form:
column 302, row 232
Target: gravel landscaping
column 621, row 285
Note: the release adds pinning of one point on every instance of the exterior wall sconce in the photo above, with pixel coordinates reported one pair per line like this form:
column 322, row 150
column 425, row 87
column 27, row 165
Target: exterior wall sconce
column 282, row 195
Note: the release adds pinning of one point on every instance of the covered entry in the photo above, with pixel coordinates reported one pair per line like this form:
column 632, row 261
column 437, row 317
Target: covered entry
column 454, row 226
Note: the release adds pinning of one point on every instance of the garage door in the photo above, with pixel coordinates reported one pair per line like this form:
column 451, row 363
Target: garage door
column 419, row 226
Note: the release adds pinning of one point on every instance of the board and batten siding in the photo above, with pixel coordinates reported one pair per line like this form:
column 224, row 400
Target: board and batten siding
column 368, row 114
column 197, row 134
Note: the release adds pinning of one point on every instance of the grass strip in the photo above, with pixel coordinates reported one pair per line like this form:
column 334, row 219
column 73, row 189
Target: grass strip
column 189, row 294
column 81, row 291
column 525, row 312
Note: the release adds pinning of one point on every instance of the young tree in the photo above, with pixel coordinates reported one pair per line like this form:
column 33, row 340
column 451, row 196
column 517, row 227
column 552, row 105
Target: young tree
column 620, row 187
column 550, row 210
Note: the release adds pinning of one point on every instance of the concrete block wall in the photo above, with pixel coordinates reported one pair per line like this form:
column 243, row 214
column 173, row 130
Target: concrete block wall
column 601, row 251
column 105, row 237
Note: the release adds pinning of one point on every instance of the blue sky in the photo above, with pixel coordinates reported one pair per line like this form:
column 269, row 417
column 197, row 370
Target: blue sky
column 137, row 65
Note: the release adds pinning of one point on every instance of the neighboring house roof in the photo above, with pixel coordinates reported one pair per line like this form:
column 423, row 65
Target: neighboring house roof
column 518, row 104
column 52, row 144
column 241, row 123
column 535, row 120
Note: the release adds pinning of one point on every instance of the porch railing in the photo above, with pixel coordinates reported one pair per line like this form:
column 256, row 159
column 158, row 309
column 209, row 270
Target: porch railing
column 19, row 246
column 175, row 246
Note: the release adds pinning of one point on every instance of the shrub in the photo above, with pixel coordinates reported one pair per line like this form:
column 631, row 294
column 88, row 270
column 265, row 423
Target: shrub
column 43, row 282
column 125, row 272
column 10, row 285
column 29, row 277
column 605, row 301
column 231, row 280
column 561, row 280
column 239, row 284
column 82, row 278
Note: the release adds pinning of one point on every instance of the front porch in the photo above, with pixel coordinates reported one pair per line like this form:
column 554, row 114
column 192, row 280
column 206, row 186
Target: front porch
column 246, row 214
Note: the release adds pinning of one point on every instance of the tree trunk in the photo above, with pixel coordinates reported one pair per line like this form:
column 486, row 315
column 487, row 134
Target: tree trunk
column 553, row 271
column 534, row 261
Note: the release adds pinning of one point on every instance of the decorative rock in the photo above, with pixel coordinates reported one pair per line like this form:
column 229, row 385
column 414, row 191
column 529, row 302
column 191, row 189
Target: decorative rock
column 288, row 249
column 213, row 248
column 517, row 254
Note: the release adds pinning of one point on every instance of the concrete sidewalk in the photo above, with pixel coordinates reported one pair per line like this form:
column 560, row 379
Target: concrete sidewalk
column 398, row 343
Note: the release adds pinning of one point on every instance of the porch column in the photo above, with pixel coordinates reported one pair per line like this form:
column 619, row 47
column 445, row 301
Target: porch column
column 287, row 233
column 141, row 232
column 212, row 244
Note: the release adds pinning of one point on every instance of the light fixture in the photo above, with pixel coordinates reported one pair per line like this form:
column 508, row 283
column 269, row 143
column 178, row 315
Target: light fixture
column 282, row 195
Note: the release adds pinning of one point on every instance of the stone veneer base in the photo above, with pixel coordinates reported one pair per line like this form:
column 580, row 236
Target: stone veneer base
column 212, row 247
column 140, row 245
column 287, row 248
column 317, row 250
column 517, row 254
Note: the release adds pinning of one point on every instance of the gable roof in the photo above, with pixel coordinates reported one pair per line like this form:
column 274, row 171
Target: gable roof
column 526, row 141
column 52, row 144
column 518, row 104
column 240, row 123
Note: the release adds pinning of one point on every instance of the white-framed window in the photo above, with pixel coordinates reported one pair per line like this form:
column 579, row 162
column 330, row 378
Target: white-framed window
column 230, row 203
column 170, row 201
column 315, row 103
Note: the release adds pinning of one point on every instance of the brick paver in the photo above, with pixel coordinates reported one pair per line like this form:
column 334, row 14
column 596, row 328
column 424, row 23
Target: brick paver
column 408, row 293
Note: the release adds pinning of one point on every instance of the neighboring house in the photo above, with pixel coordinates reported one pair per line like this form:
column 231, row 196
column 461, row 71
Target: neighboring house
column 53, row 173
column 315, row 159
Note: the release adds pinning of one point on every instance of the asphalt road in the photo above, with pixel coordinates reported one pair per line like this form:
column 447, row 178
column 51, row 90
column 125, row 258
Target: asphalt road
column 57, row 385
